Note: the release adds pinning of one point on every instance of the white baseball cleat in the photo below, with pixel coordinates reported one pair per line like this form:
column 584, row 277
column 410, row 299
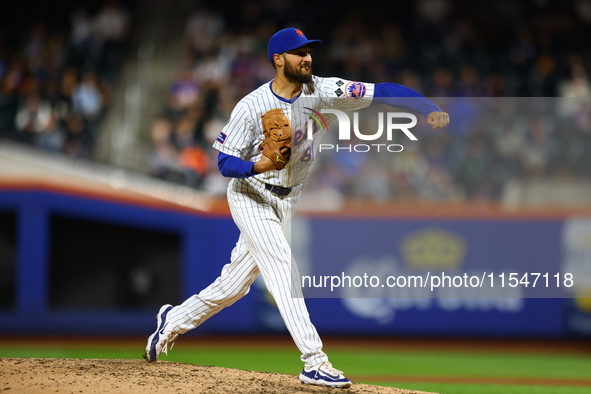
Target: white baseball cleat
column 324, row 374
column 158, row 342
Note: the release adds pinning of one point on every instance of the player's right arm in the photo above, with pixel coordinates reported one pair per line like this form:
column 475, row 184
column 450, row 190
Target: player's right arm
column 350, row 95
column 402, row 97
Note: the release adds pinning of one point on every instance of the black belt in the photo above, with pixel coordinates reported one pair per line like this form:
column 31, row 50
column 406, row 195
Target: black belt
column 278, row 190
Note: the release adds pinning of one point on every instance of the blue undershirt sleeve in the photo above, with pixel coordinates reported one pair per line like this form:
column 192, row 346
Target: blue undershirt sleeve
column 234, row 167
column 404, row 98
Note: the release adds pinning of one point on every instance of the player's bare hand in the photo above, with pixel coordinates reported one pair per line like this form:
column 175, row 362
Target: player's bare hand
column 438, row 119
column 263, row 165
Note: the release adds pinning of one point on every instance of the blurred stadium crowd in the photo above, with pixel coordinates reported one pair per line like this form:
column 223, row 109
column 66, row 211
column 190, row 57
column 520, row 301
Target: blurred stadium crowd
column 441, row 48
column 56, row 77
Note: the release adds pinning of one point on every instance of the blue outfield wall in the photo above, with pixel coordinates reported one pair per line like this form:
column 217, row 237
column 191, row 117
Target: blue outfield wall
column 203, row 251
column 349, row 250
column 323, row 246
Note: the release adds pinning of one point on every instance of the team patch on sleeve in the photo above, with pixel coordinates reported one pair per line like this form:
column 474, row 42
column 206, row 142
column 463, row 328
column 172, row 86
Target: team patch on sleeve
column 355, row 90
column 221, row 138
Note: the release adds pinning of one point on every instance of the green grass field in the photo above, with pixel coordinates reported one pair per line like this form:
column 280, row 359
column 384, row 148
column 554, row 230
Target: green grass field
column 441, row 371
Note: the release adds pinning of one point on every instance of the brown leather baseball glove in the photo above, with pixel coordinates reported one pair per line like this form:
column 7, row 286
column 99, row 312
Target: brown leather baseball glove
column 277, row 142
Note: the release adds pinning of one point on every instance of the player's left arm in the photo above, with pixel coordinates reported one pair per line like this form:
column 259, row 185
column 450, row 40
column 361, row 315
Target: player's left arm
column 234, row 167
column 235, row 145
column 400, row 96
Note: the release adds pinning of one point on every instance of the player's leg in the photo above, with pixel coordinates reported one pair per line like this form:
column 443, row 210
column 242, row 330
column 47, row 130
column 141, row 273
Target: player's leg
column 233, row 283
column 262, row 228
column 277, row 271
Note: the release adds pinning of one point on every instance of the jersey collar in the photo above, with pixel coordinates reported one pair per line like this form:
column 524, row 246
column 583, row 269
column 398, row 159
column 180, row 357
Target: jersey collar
column 284, row 99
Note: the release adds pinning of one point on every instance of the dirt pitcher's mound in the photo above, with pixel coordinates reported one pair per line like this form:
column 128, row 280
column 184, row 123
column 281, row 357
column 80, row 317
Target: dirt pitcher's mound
column 45, row 375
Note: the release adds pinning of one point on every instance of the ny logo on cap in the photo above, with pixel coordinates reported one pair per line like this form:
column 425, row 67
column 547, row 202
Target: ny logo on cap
column 299, row 32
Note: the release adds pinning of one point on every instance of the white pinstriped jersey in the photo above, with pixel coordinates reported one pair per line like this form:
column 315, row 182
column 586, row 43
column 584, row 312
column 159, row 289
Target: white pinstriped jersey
column 242, row 134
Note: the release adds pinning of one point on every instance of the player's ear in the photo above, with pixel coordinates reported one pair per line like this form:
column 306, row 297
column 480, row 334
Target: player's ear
column 279, row 59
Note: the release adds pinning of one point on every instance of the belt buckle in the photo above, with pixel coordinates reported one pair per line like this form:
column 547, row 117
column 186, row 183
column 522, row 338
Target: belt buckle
column 278, row 190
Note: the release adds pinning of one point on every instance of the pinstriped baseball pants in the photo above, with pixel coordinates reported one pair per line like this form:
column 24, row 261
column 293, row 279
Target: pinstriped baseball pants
column 261, row 249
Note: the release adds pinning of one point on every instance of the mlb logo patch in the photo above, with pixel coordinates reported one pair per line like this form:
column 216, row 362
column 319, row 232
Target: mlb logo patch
column 221, row 138
column 355, row 90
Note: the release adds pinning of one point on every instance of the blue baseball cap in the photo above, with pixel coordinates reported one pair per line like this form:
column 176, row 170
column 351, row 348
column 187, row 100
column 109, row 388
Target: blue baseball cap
column 288, row 39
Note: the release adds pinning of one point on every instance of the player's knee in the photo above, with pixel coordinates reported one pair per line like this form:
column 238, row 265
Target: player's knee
column 230, row 296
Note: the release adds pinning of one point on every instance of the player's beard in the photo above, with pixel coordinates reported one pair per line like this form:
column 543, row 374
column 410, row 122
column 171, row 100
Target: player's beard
column 298, row 74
